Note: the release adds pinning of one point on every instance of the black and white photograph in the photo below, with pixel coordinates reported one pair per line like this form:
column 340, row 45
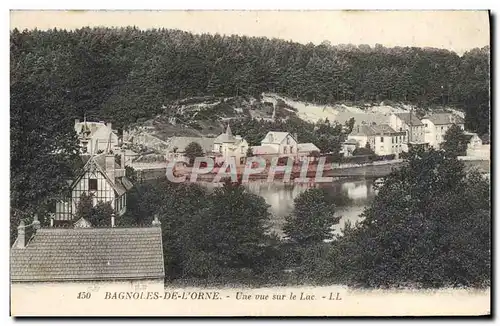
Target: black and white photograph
column 250, row 163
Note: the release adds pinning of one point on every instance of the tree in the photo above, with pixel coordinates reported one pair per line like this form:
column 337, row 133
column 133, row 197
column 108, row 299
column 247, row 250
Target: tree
column 250, row 152
column 363, row 150
column 43, row 144
column 84, row 206
column 428, row 226
column 100, row 214
column 312, row 219
column 193, row 150
column 350, row 125
column 230, row 234
column 131, row 174
column 455, row 141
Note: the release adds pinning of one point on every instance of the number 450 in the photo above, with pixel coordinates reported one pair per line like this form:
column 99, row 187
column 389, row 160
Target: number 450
column 83, row 295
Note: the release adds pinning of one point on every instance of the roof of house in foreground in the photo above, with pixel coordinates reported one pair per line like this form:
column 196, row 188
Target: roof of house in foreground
column 89, row 254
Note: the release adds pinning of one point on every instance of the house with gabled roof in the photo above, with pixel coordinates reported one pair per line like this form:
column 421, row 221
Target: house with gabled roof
column 411, row 125
column 437, row 124
column 100, row 177
column 283, row 143
column 382, row 139
column 87, row 256
column 226, row 146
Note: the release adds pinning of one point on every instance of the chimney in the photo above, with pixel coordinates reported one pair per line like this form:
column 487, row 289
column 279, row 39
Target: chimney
column 156, row 221
column 296, row 137
column 109, row 125
column 21, row 236
column 77, row 121
column 113, row 219
column 36, row 223
column 122, row 159
column 110, row 166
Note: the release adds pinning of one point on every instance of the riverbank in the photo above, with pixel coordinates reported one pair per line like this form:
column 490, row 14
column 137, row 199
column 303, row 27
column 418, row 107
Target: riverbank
column 298, row 173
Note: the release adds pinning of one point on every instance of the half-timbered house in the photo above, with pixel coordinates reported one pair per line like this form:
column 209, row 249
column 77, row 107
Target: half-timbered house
column 100, row 177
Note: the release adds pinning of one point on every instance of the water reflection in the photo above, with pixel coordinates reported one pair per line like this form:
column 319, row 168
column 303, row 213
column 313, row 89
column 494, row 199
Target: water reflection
column 280, row 197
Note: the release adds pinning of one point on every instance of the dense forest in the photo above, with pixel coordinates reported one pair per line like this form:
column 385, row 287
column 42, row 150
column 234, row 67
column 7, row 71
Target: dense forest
column 126, row 74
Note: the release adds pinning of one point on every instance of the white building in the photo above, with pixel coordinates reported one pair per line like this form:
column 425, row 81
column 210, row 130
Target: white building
column 282, row 143
column 476, row 148
column 437, row 124
column 96, row 137
column 307, row 151
column 228, row 146
column 411, row 125
column 382, row 139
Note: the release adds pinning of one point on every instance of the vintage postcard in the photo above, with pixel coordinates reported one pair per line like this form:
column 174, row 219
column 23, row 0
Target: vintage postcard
column 250, row 163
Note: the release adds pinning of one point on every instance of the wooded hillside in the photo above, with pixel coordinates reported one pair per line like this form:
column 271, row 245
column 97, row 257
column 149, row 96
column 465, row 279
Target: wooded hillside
column 126, row 74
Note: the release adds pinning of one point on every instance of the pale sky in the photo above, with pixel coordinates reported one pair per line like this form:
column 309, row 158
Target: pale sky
column 458, row 31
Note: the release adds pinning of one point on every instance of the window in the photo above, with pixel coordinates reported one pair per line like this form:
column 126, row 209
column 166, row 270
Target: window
column 291, row 149
column 288, row 140
column 284, row 149
column 242, row 150
column 381, row 139
column 220, row 148
column 92, row 184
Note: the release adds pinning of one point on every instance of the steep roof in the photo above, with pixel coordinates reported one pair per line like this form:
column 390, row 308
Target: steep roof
column 410, row 119
column 227, row 137
column 275, row 137
column 444, row 118
column 182, row 142
column 373, row 130
column 89, row 254
column 120, row 184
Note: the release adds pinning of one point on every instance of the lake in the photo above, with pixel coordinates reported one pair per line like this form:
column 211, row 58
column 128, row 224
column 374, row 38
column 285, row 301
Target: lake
column 280, row 196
